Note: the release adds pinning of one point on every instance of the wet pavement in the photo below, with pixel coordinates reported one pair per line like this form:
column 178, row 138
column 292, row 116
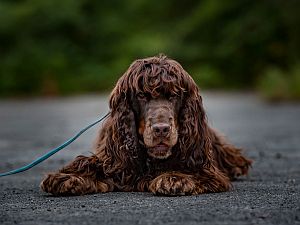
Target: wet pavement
column 269, row 134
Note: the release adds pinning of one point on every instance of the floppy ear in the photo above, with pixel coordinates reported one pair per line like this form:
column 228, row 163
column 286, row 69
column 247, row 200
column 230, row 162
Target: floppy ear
column 121, row 141
column 194, row 138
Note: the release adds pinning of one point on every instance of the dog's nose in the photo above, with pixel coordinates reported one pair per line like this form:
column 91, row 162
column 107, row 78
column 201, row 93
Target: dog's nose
column 161, row 129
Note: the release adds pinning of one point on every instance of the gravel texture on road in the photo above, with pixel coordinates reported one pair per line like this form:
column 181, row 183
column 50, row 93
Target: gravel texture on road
column 269, row 134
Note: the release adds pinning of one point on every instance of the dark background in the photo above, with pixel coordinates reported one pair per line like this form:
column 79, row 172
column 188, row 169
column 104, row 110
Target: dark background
column 67, row 47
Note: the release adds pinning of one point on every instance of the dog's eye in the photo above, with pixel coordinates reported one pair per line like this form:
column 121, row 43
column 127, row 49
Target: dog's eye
column 141, row 95
column 172, row 96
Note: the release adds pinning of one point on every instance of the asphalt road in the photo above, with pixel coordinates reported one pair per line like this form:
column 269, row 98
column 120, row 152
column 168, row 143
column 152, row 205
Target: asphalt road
column 270, row 135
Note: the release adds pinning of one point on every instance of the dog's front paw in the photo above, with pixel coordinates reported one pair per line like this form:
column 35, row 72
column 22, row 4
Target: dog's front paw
column 63, row 184
column 241, row 167
column 172, row 184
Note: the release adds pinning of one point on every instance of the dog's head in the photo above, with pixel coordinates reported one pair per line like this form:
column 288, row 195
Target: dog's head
column 157, row 104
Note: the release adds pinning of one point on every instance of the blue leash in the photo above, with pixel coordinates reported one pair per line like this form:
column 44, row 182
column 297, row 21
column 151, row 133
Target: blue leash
column 53, row 151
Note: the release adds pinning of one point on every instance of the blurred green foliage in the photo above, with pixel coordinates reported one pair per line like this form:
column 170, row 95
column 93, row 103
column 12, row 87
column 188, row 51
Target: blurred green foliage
column 56, row 47
column 277, row 85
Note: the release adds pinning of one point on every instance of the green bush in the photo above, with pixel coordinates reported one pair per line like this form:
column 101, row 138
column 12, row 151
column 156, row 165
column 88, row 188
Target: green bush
column 278, row 85
column 63, row 47
column 208, row 77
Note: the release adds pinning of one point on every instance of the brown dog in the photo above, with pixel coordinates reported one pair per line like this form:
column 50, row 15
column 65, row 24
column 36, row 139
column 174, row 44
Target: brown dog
column 156, row 139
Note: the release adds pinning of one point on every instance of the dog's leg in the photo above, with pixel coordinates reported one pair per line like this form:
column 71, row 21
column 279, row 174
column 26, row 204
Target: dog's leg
column 78, row 178
column 228, row 158
column 176, row 183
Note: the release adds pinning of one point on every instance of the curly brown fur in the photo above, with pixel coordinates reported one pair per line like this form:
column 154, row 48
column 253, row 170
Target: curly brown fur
column 156, row 139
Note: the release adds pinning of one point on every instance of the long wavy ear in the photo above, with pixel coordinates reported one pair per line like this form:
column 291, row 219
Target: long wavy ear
column 118, row 141
column 194, row 138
